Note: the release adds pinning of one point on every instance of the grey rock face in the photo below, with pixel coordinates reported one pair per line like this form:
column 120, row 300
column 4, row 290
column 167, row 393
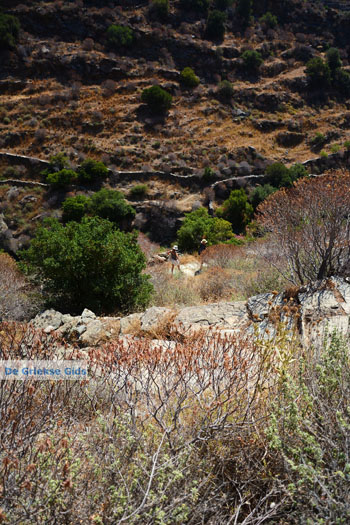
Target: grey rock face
column 48, row 318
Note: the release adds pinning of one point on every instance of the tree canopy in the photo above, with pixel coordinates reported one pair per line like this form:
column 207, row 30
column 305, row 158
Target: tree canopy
column 309, row 226
column 88, row 265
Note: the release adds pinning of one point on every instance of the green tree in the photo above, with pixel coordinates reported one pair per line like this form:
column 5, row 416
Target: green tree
column 237, row 210
column 222, row 4
column 278, row 175
column 119, row 36
column 111, row 205
column 160, row 8
column 195, row 5
column 88, row 265
column 342, row 82
column 333, row 59
column 269, row 20
column 244, row 11
column 318, row 73
column 215, row 28
column 198, row 224
column 9, row 31
column 157, row 99
column 252, row 60
column 92, row 171
column 74, row 208
column 188, row 78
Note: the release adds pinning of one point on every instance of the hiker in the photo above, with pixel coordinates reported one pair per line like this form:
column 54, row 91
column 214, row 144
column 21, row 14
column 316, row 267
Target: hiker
column 174, row 258
column 201, row 249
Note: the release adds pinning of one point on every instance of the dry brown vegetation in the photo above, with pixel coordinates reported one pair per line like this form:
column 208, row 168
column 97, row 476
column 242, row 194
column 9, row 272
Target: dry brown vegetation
column 200, row 430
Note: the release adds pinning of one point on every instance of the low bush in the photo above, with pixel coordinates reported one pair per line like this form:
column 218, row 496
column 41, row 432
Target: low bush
column 225, row 91
column 260, row 193
column 318, row 141
column 62, row 178
column 157, row 99
column 160, row 8
column 9, row 31
column 208, row 175
column 244, row 10
column 222, row 4
column 318, row 73
column 92, row 171
column 215, row 27
column 111, row 205
column 139, row 191
column 188, row 78
column 119, row 37
column 269, row 20
column 195, row 5
column 252, row 60
column 18, row 299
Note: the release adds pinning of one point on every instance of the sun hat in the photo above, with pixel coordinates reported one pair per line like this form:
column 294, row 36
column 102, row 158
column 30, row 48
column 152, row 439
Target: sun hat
column 175, row 247
column 204, row 241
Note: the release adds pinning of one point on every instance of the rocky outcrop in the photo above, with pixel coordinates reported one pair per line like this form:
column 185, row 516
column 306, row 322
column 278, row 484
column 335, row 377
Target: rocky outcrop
column 310, row 312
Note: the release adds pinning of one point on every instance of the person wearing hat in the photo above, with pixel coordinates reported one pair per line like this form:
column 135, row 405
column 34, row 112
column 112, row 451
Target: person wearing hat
column 174, row 258
column 201, row 249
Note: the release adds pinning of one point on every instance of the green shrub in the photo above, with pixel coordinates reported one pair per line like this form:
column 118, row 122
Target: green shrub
column 208, row 175
column 318, row 140
column 88, row 265
column 347, row 144
column 92, row 171
column 278, row 175
column 111, row 205
column 58, row 162
column 62, row 178
column 297, row 171
column 198, row 224
column 318, row 73
column 260, row 193
column 74, row 208
column 225, row 90
column 195, row 5
column 333, row 59
column 139, row 191
column 119, row 36
column 269, row 20
column 324, row 154
column 252, row 60
column 222, row 4
column 237, row 210
column 188, row 78
column 160, row 8
column 215, row 27
column 9, row 31
column 157, row 99
column 244, row 11
column 342, row 82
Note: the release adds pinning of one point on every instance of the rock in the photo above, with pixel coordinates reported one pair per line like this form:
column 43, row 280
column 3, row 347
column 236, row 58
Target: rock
column 93, row 334
column 87, row 314
column 153, row 316
column 3, row 226
column 267, row 125
column 244, row 168
column 228, row 315
column 289, row 139
column 49, row 318
column 130, row 324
